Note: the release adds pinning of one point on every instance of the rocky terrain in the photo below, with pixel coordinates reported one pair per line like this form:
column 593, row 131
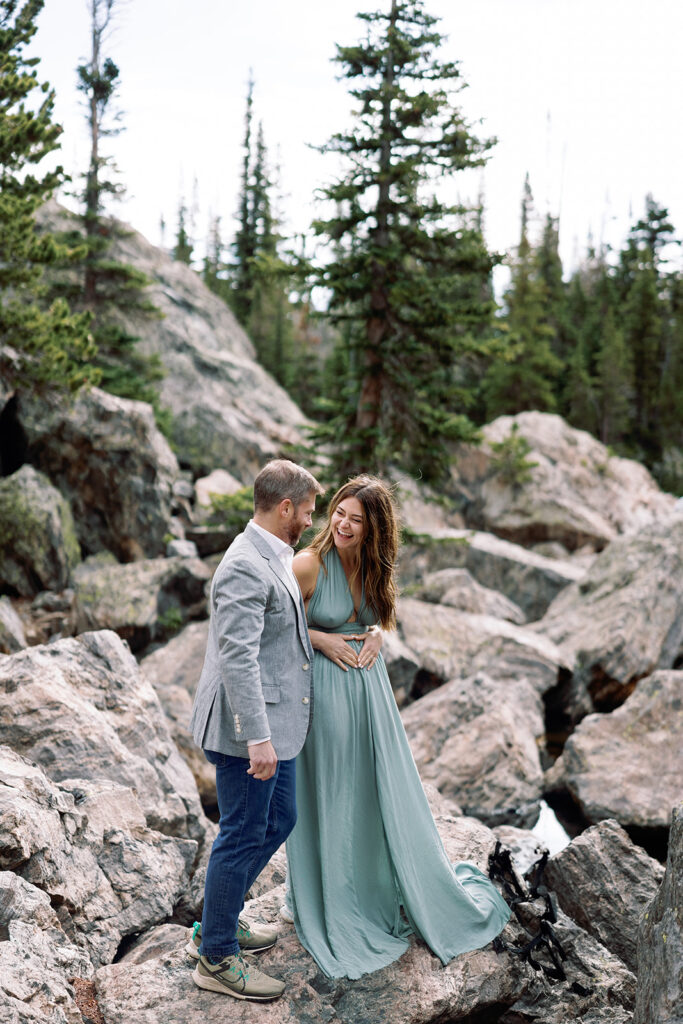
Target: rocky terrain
column 538, row 660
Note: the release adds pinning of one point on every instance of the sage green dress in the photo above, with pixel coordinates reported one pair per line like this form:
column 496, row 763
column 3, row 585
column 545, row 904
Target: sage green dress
column 366, row 863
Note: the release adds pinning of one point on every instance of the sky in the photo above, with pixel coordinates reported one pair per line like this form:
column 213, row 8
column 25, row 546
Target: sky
column 584, row 95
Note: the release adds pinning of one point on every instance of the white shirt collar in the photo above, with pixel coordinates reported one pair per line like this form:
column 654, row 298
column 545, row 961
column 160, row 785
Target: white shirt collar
column 283, row 550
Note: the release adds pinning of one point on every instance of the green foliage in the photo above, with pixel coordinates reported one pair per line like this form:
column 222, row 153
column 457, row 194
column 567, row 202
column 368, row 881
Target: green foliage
column 257, row 281
column 182, row 250
column 523, row 378
column 111, row 292
column 232, row 511
column 41, row 343
column 605, row 349
column 510, row 460
column 170, row 621
column 407, row 274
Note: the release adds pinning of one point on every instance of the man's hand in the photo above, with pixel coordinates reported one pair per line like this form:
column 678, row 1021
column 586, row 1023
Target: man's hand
column 262, row 760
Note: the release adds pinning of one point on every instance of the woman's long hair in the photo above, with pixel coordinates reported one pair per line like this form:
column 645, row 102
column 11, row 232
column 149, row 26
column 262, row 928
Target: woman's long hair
column 379, row 548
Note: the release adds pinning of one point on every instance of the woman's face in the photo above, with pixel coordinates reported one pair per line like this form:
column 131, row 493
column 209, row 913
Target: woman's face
column 348, row 530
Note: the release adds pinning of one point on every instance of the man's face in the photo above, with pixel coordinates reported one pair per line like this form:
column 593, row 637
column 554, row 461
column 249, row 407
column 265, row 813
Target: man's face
column 301, row 519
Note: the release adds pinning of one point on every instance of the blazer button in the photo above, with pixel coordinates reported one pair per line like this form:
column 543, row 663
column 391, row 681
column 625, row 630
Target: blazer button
column 304, row 700
column 305, row 666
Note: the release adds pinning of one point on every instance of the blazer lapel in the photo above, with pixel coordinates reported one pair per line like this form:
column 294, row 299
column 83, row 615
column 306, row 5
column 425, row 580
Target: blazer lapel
column 265, row 550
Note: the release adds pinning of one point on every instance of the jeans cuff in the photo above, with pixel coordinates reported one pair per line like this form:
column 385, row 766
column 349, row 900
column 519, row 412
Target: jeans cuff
column 219, row 954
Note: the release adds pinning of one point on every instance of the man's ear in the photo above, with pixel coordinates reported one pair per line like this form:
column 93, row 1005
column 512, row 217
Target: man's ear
column 285, row 507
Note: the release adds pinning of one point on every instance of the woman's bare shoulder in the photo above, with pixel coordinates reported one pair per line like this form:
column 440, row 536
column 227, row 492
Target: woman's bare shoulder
column 306, row 565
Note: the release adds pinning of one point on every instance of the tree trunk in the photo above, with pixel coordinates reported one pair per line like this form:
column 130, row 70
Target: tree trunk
column 368, row 413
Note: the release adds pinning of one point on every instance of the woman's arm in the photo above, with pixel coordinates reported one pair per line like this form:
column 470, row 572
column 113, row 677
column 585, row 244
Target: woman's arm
column 306, row 566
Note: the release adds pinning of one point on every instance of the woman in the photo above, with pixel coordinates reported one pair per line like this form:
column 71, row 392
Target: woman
column 366, row 864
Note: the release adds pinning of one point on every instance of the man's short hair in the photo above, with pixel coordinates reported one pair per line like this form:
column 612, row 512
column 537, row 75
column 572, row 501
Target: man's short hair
column 280, row 479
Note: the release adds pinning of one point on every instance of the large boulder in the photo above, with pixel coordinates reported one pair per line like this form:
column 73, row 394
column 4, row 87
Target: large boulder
column 107, row 457
column 12, row 635
column 227, row 411
column 628, row 764
column 403, row 667
column 414, row 990
column 623, row 620
column 421, row 507
column 174, row 670
column 39, row 965
column 86, row 845
column 575, row 493
column 475, row 987
column 38, row 545
column 531, row 581
column 450, row 644
column 141, row 601
column 604, row 882
column 659, row 998
column 219, row 484
column 81, row 709
column 599, row 988
column 456, row 588
column 475, row 740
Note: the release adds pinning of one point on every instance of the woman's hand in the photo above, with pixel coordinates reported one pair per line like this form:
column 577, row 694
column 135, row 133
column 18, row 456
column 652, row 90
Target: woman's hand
column 336, row 647
column 372, row 645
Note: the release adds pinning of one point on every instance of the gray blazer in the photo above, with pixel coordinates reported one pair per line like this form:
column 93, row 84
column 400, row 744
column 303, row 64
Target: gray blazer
column 257, row 678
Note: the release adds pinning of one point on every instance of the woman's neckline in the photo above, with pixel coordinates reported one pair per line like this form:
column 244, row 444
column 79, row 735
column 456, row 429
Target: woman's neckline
column 356, row 611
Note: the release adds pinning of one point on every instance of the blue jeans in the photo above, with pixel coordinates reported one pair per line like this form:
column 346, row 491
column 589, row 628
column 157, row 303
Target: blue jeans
column 255, row 819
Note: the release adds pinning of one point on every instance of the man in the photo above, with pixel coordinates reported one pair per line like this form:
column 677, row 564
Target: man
column 251, row 715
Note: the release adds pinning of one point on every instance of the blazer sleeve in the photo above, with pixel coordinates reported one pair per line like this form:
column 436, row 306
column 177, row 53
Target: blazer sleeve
column 239, row 604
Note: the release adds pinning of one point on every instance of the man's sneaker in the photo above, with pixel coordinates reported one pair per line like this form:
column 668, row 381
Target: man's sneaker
column 253, row 940
column 237, row 976
column 194, row 940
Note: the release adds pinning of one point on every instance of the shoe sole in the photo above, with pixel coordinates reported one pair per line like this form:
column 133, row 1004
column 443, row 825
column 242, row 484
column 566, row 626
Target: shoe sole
column 211, row 985
column 193, row 952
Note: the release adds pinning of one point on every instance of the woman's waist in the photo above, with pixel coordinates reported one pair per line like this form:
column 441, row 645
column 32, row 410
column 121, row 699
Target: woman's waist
column 341, row 627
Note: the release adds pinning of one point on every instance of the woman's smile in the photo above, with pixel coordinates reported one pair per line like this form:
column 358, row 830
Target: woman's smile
column 349, row 529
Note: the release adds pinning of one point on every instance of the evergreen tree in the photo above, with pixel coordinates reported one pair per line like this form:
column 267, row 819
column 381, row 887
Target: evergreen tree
column 671, row 392
column 40, row 345
column 524, row 377
column 213, row 267
column 109, row 290
column 245, row 240
column 262, row 274
column 407, row 270
column 549, row 270
column 579, row 392
column 647, row 320
column 614, row 383
column 590, row 297
column 182, row 250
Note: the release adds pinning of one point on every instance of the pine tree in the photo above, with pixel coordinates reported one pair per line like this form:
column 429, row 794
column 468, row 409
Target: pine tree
column 549, row 270
column 40, row 345
column 182, row 250
column 524, row 378
column 214, row 267
column 614, row 383
column 647, row 321
column 406, row 274
column 109, row 290
column 245, row 240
